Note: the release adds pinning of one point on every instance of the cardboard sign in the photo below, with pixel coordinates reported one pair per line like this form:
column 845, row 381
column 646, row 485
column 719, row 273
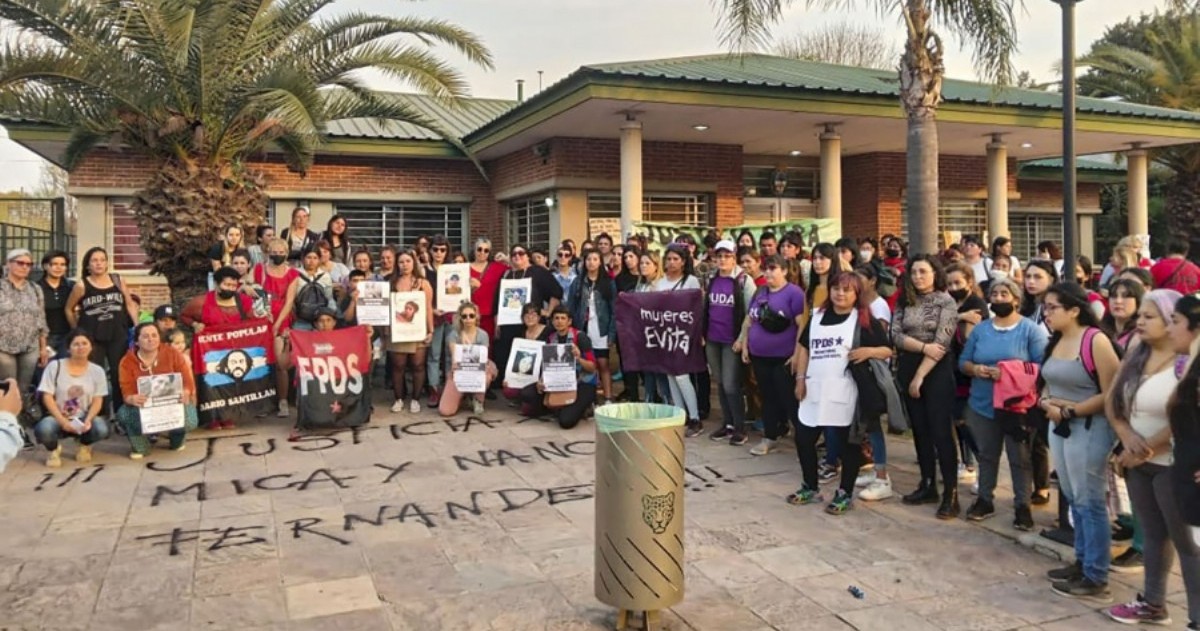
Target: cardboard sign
column 514, row 294
column 163, row 410
column 470, row 370
column 453, row 286
column 558, row 368
column 409, row 316
column 374, row 306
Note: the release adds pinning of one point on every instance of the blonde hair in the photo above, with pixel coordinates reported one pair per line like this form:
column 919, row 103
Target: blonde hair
column 658, row 268
column 1128, row 254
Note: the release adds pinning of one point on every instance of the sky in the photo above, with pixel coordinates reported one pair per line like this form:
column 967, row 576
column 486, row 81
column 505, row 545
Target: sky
column 559, row 36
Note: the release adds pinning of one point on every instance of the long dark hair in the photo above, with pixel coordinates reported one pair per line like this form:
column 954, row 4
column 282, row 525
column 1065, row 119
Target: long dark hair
column 1030, row 302
column 939, row 276
column 87, row 260
column 1071, row 296
column 828, row 251
column 603, row 283
column 682, row 251
column 1134, row 289
column 1182, row 405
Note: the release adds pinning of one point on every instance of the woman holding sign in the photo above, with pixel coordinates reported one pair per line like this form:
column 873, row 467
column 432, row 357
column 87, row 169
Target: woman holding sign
column 466, row 333
column 410, row 355
column 485, row 284
column 590, row 300
column 677, row 275
column 148, row 357
column 276, row 278
column 523, row 284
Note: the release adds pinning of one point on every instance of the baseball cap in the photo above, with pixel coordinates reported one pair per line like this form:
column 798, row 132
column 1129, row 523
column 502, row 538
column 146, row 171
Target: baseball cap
column 165, row 311
column 724, row 244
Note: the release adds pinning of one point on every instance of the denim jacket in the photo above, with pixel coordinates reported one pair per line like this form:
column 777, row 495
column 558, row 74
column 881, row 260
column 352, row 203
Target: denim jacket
column 577, row 302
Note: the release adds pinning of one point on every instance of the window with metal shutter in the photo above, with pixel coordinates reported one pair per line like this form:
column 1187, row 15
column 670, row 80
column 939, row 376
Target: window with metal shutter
column 963, row 216
column 1029, row 230
column 373, row 225
column 529, row 223
column 683, row 209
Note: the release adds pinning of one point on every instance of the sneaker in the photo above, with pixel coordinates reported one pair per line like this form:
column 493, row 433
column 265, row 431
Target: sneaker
column 283, row 409
column 54, row 458
column 878, row 489
column 764, row 447
column 1040, row 498
column 694, row 428
column 980, row 510
column 414, row 406
column 827, row 473
column 179, row 447
column 1066, row 573
column 1084, row 588
column 476, row 407
column 1023, row 519
column 966, row 474
column 721, row 433
column 839, row 504
column 1127, row 562
column 738, row 439
column 84, row 455
column 398, row 406
column 133, row 455
column 865, row 479
column 805, row 495
column 1139, row 611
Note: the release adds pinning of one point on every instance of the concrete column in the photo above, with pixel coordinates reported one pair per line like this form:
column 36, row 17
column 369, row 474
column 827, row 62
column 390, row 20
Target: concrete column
column 997, row 188
column 1138, row 204
column 631, row 175
column 831, row 175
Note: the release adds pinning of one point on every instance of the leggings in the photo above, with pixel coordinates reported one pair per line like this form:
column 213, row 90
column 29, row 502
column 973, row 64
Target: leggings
column 780, row 406
column 932, row 418
column 108, row 355
column 415, row 361
column 1167, row 534
column 806, row 450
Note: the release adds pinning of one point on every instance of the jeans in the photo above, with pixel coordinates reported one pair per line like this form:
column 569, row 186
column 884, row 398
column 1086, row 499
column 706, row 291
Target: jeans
column 20, row 366
column 967, row 449
column 48, row 432
column 130, row 419
column 1082, row 463
column 779, row 406
column 568, row 416
column 437, row 348
column 108, row 355
column 1156, row 508
column 932, row 418
column 833, row 446
column 684, row 395
column 878, row 449
column 726, row 366
column 657, row 390
column 806, row 450
column 991, row 440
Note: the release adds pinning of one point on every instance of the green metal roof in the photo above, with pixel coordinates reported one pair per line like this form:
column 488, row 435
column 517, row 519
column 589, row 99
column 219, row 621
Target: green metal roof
column 1081, row 164
column 471, row 114
column 783, row 72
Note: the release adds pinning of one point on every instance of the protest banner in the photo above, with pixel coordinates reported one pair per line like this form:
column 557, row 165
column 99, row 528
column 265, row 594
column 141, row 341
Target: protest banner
column 470, row 368
column 163, row 410
column 409, row 316
column 524, row 363
column 332, row 368
column 453, row 286
column 813, row 231
column 660, row 331
column 558, row 368
column 234, row 363
column 374, row 306
column 514, row 293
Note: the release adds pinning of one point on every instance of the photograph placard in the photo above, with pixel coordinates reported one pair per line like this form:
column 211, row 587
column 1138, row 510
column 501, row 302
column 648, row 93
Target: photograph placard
column 514, row 293
column 373, row 306
column 409, row 313
column 524, row 363
column 470, row 370
column 453, row 286
column 163, row 410
column 558, row 368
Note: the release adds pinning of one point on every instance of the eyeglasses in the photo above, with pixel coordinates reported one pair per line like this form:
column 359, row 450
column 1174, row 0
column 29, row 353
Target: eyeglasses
column 1050, row 307
column 21, row 263
column 468, row 316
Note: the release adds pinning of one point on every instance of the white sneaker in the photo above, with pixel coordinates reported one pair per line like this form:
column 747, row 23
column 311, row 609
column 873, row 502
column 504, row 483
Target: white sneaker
column 878, row 489
column 84, row 454
column 865, row 478
column 398, row 406
column 477, row 407
column 975, row 489
column 965, row 474
column 764, row 447
column 54, row 459
column 414, row 406
column 283, row 409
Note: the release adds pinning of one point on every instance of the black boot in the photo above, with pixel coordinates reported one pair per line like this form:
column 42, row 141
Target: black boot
column 926, row 493
column 949, row 508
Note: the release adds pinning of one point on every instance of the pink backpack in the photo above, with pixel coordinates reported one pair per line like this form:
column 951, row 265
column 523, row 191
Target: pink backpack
column 1016, row 390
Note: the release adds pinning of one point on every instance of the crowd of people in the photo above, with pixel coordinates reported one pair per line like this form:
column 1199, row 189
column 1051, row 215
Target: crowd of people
column 1074, row 373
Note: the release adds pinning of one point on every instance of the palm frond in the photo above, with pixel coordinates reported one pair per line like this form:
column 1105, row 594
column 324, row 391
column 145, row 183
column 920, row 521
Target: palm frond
column 745, row 25
column 988, row 28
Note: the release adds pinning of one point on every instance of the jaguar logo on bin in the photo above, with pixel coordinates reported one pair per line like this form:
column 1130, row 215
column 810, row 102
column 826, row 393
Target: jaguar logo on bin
column 658, row 510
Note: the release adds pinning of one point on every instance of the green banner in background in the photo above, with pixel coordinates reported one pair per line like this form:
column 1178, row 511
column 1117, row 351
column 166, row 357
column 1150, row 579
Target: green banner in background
column 814, row 231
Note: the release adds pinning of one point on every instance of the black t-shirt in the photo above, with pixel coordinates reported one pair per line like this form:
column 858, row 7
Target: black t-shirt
column 877, row 335
column 216, row 252
column 972, row 303
column 550, row 336
column 543, row 286
column 56, row 305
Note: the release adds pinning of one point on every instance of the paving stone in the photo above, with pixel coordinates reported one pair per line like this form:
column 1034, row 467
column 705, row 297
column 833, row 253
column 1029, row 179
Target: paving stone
column 239, row 611
column 327, row 598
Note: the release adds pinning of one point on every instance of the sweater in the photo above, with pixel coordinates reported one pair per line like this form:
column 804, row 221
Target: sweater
column 988, row 346
column 169, row 361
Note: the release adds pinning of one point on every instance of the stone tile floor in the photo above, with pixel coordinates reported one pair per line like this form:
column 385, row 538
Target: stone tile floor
column 421, row 523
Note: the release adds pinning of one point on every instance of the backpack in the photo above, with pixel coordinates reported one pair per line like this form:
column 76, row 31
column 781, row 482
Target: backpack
column 310, row 299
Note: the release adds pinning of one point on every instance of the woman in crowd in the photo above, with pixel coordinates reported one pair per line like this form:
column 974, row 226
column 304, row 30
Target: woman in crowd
column 745, row 239
column 150, row 356
column 336, row 272
column 387, row 264
column 410, row 356
column 533, row 328
column 297, row 236
column 1083, row 278
column 225, row 304
column 828, row 394
column 678, row 275
column 1001, row 269
column 847, row 256
column 1127, row 254
column 220, row 254
column 23, row 338
column 565, row 271
column 729, row 292
column 544, row 292
column 627, row 280
column 1006, row 337
column 591, row 299
column 276, row 278
column 649, row 273
column 362, row 262
column 73, row 391
column 615, row 261
column 1138, row 275
column 56, row 288
column 751, row 263
column 1049, row 251
column 260, row 301
column 466, row 331
column 338, row 239
column 1137, row 405
column 868, row 251
column 1040, row 275
column 296, row 304
column 1002, row 249
column 816, row 285
column 106, row 311
column 1183, row 409
column 768, row 342
column 263, row 235
column 972, row 309
column 875, row 483
column 439, row 252
column 485, row 285
column 1120, row 322
column 922, row 330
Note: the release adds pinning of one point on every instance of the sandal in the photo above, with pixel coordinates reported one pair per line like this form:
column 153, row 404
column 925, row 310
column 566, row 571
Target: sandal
column 804, row 495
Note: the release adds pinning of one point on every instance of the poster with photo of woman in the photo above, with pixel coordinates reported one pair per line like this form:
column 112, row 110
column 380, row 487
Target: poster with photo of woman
column 408, row 316
column 514, row 293
column 453, row 286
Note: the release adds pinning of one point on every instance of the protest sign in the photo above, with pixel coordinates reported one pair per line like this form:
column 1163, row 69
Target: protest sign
column 453, row 286
column 234, row 365
column 470, row 368
column 409, row 316
column 514, row 293
column 332, row 368
column 524, row 363
column 163, row 410
column 558, row 368
column 660, row 331
column 373, row 307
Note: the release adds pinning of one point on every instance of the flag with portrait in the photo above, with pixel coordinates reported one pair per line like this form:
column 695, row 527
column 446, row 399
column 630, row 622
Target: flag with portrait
column 234, row 366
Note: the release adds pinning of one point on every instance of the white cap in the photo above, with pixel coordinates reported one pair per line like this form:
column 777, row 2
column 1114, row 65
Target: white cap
column 725, row 244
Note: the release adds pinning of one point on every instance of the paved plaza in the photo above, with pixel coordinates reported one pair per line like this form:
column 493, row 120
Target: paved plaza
column 484, row 523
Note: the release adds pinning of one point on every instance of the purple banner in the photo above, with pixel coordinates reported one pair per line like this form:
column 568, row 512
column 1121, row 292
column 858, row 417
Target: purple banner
column 659, row 331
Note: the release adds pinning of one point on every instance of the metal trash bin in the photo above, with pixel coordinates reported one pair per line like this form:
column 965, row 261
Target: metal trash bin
column 639, row 507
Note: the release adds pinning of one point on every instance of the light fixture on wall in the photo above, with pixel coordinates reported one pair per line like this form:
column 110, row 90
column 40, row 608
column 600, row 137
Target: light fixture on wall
column 794, row 152
column 550, row 201
column 1027, row 145
column 700, row 127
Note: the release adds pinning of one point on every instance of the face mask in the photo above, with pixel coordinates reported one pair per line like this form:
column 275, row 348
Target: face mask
column 865, row 255
column 1003, row 309
column 893, row 253
column 999, row 274
column 278, row 259
column 225, row 294
column 959, row 295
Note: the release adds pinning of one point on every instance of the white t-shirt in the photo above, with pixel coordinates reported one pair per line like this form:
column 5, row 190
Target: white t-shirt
column 982, row 268
column 73, row 394
column 664, row 284
column 1149, row 414
column 880, row 310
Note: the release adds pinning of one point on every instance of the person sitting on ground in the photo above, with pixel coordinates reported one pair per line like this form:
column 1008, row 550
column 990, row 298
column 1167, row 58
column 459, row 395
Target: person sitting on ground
column 150, row 356
column 533, row 399
column 466, row 331
column 73, row 391
column 531, row 318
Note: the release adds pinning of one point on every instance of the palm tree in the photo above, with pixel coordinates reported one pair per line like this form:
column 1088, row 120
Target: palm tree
column 988, row 27
column 1163, row 72
column 205, row 86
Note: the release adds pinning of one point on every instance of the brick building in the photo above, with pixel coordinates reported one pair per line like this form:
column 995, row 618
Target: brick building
column 699, row 140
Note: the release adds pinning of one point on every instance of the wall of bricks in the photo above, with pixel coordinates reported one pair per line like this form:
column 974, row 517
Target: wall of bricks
column 1043, row 194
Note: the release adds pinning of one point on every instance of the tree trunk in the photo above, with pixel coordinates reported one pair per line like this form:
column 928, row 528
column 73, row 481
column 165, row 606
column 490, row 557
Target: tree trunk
column 1182, row 205
column 184, row 210
column 921, row 73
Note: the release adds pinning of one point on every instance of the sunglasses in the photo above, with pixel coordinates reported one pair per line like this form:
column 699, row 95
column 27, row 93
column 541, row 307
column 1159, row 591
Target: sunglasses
column 564, row 255
column 484, row 250
column 439, row 248
column 21, row 263
column 468, row 316
column 519, row 253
